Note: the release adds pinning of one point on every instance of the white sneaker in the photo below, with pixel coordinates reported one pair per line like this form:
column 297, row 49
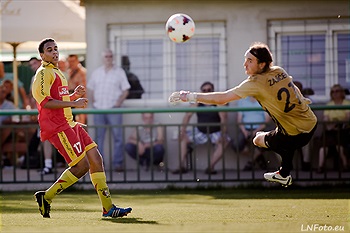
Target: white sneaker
column 276, row 177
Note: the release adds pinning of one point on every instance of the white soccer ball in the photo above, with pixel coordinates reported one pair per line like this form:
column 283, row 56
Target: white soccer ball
column 180, row 27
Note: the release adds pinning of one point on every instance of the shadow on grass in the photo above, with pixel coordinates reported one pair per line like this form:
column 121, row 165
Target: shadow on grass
column 130, row 221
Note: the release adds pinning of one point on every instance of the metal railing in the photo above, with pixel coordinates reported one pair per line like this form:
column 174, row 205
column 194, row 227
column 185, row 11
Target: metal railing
column 230, row 167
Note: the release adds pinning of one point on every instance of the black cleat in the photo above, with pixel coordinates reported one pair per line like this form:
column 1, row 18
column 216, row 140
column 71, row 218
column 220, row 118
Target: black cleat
column 44, row 206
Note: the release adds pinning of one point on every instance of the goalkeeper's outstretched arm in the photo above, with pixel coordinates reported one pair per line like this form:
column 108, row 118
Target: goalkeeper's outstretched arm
column 218, row 98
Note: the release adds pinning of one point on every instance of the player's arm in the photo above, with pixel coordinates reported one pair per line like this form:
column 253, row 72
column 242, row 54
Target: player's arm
column 218, row 98
column 79, row 92
column 55, row 104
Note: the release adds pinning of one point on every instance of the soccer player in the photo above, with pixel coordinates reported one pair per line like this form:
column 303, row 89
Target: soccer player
column 50, row 90
column 274, row 89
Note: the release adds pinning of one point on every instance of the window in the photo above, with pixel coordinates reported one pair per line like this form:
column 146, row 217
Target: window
column 314, row 52
column 163, row 66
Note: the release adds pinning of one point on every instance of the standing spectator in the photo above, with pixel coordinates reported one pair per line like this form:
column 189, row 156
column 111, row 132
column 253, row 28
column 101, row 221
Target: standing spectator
column 203, row 133
column 77, row 76
column 136, row 90
column 245, row 120
column 145, row 140
column 50, row 90
column 23, row 101
column 63, row 66
column 279, row 97
column 109, row 87
column 337, row 128
column 76, row 72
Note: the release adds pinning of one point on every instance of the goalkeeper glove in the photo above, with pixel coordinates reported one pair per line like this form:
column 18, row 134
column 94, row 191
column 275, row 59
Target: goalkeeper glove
column 183, row 96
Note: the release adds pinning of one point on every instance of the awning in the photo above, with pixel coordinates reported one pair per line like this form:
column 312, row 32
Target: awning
column 24, row 23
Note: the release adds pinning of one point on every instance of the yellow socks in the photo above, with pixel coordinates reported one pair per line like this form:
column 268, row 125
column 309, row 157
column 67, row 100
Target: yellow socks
column 64, row 181
column 98, row 179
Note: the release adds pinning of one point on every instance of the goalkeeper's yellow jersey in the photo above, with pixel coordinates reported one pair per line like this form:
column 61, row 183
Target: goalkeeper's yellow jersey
column 281, row 99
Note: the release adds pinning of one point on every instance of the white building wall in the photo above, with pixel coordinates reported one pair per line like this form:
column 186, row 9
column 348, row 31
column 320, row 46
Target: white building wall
column 246, row 21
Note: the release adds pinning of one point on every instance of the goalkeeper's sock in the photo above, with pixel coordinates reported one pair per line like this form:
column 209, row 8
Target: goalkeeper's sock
column 64, row 181
column 98, row 179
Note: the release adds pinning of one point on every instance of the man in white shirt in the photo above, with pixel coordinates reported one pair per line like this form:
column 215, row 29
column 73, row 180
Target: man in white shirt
column 109, row 87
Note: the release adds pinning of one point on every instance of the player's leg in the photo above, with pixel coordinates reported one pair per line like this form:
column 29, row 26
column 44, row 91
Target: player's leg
column 99, row 181
column 69, row 146
column 281, row 144
column 259, row 139
column 98, row 176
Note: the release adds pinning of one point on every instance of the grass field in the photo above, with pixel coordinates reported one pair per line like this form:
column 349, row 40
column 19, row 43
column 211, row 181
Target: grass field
column 214, row 210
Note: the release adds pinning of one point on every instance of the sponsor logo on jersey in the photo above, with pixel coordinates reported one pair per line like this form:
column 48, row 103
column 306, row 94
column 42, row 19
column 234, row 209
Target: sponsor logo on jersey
column 63, row 90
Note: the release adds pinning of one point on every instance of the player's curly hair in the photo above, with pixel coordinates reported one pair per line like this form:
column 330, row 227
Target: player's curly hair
column 43, row 42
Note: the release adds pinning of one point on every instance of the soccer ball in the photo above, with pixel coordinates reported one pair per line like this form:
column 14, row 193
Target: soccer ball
column 180, row 28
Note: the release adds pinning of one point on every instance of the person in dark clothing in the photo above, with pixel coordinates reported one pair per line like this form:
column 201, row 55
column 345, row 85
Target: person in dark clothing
column 204, row 132
column 136, row 90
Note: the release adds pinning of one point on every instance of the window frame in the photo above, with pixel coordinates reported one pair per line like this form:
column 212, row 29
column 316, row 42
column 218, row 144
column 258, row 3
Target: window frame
column 119, row 32
column 329, row 27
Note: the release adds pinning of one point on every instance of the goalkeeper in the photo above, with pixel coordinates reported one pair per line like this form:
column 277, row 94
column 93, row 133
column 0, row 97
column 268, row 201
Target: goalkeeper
column 274, row 89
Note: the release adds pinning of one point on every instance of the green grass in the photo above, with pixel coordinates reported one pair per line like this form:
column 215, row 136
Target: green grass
column 213, row 210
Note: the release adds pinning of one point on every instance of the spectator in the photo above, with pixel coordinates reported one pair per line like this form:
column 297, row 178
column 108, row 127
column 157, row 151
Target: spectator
column 136, row 90
column 304, row 152
column 109, row 87
column 23, row 101
column 336, row 132
column 5, row 132
column 34, row 143
column 77, row 76
column 248, row 130
column 4, row 104
column 147, row 142
column 201, row 134
column 63, row 66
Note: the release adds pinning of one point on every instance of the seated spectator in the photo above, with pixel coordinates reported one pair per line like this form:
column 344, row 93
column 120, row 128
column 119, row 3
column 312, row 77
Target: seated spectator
column 245, row 120
column 4, row 104
column 203, row 133
column 337, row 128
column 147, row 142
column 305, row 157
column 23, row 101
